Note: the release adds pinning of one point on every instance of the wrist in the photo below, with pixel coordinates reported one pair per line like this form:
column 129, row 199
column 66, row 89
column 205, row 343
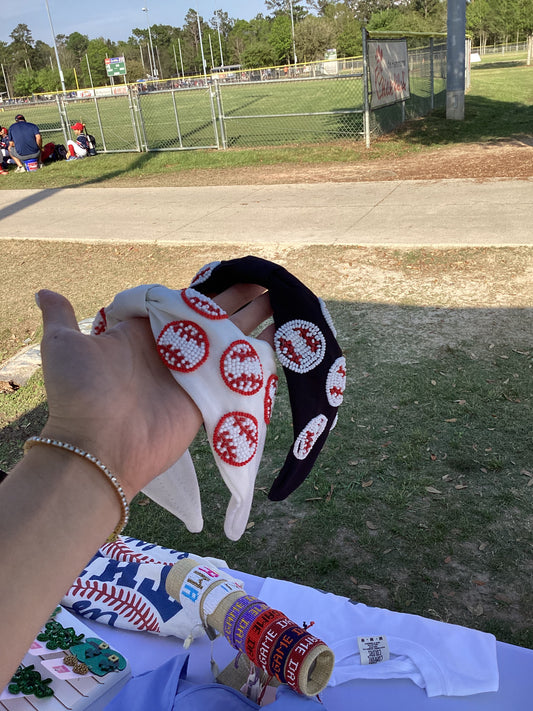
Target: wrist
column 109, row 455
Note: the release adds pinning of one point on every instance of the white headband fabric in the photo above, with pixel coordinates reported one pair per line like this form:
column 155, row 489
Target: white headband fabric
column 230, row 376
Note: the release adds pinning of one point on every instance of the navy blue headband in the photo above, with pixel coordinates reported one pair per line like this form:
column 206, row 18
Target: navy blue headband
column 307, row 348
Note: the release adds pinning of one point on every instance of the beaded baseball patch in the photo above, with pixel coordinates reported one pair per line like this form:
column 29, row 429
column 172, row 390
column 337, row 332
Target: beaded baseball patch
column 204, row 273
column 300, row 345
column 308, row 436
column 327, row 316
column 270, row 395
column 183, row 346
column 100, row 323
column 336, row 382
column 241, row 368
column 235, row 438
column 203, row 305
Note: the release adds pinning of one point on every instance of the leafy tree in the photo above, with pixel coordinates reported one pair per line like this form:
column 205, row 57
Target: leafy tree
column 43, row 53
column 77, row 44
column 22, row 48
column 258, row 54
column 350, row 40
column 479, row 21
column 313, row 35
column 97, row 51
column 283, row 7
column 244, row 33
column 364, row 9
column 25, row 83
column 281, row 39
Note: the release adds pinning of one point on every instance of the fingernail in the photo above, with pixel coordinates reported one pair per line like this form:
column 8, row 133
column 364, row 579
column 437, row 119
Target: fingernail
column 37, row 299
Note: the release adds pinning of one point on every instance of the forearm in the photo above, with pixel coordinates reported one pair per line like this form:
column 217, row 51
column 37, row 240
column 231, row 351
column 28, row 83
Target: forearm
column 55, row 511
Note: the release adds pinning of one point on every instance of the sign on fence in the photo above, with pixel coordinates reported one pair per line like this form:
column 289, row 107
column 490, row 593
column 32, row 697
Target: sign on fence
column 115, row 66
column 389, row 71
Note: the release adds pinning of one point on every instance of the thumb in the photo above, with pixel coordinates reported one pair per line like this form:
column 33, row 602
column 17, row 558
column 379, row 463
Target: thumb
column 57, row 311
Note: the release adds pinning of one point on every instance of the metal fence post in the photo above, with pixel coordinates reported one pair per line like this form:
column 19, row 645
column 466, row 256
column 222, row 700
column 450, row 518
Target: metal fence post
column 99, row 118
column 62, row 117
column 144, row 140
column 220, row 115
column 133, row 122
column 213, row 116
column 431, row 75
column 177, row 117
column 366, row 114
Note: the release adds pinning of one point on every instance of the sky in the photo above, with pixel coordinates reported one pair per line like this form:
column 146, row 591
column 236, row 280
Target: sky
column 113, row 19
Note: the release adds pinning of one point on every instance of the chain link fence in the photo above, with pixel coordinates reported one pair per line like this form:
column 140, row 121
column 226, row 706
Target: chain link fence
column 309, row 103
column 427, row 88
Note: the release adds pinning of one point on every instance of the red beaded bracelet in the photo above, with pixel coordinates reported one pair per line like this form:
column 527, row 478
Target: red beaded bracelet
column 268, row 641
column 296, row 657
column 281, row 650
column 258, row 627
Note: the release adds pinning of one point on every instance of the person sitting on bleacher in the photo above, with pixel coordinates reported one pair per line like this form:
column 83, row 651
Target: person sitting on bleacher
column 80, row 147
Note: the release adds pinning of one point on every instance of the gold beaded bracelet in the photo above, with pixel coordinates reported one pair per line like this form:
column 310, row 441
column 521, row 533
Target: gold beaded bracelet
column 112, row 479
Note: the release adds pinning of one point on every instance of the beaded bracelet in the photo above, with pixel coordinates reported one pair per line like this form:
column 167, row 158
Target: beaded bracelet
column 296, row 657
column 269, row 639
column 111, row 478
column 281, row 650
column 257, row 628
column 246, row 619
column 234, row 612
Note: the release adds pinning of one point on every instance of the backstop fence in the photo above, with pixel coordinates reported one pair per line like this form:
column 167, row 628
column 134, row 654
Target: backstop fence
column 305, row 103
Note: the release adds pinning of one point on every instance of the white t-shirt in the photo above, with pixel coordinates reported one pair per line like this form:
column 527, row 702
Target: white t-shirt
column 443, row 659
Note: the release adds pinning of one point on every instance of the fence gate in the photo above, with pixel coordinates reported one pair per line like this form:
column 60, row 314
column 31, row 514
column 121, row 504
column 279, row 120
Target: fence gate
column 177, row 119
column 110, row 119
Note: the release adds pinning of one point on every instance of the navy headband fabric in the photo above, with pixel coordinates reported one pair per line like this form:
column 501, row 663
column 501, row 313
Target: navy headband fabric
column 307, row 348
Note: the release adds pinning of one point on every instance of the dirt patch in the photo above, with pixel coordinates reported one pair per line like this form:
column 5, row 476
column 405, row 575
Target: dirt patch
column 505, row 158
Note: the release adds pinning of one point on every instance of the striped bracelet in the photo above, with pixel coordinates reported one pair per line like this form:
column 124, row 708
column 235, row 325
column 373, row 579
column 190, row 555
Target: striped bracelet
column 112, row 479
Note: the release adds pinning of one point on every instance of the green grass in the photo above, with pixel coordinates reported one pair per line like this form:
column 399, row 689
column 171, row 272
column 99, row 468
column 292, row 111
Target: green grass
column 499, row 104
column 420, row 501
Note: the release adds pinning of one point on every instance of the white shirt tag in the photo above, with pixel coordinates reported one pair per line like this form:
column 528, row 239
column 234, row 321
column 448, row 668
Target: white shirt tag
column 373, row 649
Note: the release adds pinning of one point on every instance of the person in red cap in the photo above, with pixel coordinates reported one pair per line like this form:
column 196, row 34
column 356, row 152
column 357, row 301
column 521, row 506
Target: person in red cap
column 79, row 147
column 25, row 142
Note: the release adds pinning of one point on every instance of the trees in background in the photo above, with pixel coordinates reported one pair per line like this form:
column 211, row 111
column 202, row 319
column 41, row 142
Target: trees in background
column 30, row 66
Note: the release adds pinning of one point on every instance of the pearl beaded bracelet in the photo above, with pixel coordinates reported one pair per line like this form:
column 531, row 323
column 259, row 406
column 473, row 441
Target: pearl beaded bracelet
column 112, row 479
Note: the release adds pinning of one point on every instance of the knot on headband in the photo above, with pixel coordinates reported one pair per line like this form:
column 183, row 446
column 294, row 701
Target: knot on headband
column 232, row 379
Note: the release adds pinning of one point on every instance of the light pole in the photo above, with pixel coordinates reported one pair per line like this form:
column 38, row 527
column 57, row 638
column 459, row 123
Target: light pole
column 219, row 39
column 61, row 77
column 153, row 69
column 293, row 42
column 201, row 45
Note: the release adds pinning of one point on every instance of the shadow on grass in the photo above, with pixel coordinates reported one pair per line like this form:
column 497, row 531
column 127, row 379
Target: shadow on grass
column 485, row 120
column 44, row 193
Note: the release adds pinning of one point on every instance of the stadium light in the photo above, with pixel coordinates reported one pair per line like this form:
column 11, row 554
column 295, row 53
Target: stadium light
column 153, row 69
column 61, row 77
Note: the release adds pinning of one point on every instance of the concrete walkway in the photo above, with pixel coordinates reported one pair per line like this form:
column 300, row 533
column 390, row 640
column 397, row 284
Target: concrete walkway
column 396, row 213
column 404, row 213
